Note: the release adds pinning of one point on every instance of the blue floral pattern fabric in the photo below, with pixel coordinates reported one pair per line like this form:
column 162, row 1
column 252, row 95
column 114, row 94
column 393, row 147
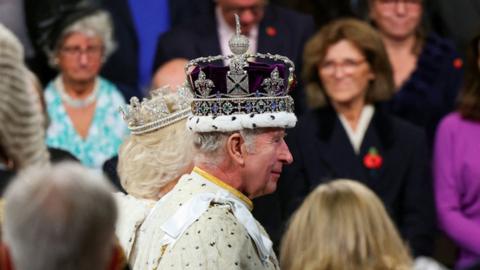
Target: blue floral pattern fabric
column 106, row 131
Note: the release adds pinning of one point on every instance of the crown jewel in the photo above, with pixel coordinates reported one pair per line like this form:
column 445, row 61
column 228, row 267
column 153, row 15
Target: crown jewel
column 163, row 108
column 240, row 89
column 238, row 43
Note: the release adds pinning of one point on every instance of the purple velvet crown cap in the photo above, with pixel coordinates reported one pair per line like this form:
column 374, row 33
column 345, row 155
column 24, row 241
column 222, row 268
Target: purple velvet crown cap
column 241, row 95
column 257, row 73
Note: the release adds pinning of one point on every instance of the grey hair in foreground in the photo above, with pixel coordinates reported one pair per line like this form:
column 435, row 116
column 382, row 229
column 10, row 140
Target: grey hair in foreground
column 62, row 217
column 21, row 131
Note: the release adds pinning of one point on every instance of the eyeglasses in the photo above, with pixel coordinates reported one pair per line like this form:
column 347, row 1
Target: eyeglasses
column 390, row 4
column 348, row 66
column 76, row 51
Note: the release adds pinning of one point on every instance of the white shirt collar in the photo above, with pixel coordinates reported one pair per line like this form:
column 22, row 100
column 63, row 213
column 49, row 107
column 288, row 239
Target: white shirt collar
column 356, row 136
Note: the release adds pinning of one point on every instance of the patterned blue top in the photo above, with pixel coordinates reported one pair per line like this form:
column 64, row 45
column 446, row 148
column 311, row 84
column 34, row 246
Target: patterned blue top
column 106, row 132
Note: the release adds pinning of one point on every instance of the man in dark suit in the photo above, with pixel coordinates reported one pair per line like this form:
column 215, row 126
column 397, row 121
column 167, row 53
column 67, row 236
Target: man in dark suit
column 456, row 20
column 124, row 66
column 269, row 28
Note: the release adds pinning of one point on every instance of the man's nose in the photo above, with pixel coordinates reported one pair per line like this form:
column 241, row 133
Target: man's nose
column 247, row 19
column 285, row 155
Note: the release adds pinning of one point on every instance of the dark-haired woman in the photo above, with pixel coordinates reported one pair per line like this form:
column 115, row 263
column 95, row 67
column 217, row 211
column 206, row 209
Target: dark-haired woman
column 457, row 167
column 426, row 68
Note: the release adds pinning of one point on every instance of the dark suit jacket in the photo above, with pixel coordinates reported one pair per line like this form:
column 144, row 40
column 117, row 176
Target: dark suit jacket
column 200, row 38
column 322, row 152
column 122, row 66
column 110, row 170
column 56, row 156
column 431, row 91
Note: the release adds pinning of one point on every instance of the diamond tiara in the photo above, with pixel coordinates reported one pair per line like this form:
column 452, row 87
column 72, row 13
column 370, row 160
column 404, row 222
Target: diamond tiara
column 163, row 108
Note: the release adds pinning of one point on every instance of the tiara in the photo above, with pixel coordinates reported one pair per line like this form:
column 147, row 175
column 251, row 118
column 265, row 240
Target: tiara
column 243, row 94
column 163, row 108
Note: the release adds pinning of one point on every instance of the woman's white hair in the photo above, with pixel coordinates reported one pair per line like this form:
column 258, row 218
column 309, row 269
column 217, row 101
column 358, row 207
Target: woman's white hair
column 21, row 131
column 148, row 162
column 98, row 24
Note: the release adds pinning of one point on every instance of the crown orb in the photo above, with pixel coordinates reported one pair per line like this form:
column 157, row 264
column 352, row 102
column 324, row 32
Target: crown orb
column 238, row 44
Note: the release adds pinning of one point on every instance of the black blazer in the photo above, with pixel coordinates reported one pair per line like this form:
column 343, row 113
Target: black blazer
column 322, row 152
column 200, row 38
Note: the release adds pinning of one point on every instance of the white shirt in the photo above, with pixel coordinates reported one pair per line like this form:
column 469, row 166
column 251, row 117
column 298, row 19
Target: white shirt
column 356, row 136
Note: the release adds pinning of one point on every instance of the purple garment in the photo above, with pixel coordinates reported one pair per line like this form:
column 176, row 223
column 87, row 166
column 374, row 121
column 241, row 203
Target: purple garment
column 457, row 184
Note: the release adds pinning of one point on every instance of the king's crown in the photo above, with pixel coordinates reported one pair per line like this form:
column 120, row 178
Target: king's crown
column 242, row 86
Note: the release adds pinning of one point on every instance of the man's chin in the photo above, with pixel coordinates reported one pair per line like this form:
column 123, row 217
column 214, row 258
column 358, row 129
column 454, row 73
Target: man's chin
column 272, row 186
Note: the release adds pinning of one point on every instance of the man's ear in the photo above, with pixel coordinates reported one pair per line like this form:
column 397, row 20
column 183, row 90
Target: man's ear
column 236, row 148
column 5, row 258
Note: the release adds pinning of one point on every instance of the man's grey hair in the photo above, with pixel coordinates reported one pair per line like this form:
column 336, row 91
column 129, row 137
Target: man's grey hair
column 210, row 145
column 61, row 217
column 98, row 24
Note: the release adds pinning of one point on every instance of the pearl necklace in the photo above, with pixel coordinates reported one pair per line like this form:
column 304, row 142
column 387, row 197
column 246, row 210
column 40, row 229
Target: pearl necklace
column 76, row 103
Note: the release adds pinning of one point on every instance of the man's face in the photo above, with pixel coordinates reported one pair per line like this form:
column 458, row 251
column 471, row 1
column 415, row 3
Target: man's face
column 263, row 165
column 250, row 12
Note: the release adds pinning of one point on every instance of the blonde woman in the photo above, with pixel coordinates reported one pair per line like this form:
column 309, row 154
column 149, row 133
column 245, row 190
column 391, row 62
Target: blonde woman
column 148, row 162
column 342, row 225
column 151, row 161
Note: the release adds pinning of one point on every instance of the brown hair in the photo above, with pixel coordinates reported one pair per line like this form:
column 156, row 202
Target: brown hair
column 469, row 99
column 342, row 225
column 367, row 40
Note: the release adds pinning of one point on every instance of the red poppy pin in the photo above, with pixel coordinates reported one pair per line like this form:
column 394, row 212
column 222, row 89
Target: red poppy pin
column 458, row 63
column 372, row 160
column 271, row 31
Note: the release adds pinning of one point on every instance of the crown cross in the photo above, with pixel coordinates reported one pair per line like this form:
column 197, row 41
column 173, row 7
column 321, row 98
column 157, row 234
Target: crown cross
column 237, row 84
column 237, row 77
column 273, row 85
column 203, row 84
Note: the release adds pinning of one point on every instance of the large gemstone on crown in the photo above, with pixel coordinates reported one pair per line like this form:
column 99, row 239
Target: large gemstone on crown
column 261, row 106
column 227, row 108
column 248, row 107
column 273, row 105
column 282, row 105
column 204, row 108
column 215, row 108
